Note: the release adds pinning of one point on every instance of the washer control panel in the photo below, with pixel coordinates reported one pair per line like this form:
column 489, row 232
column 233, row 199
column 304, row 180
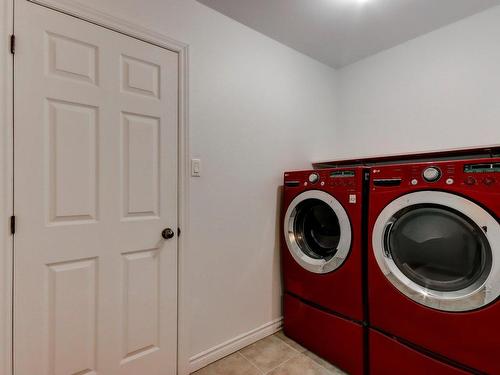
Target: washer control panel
column 344, row 179
column 476, row 174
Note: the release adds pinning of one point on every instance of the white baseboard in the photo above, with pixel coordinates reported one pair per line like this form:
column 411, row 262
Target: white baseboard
column 230, row 346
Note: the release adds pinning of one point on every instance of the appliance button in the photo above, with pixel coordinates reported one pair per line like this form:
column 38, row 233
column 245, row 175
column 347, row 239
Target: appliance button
column 313, row 178
column 322, row 183
column 470, row 180
column 414, row 181
column 449, row 181
column 488, row 181
column 431, row 174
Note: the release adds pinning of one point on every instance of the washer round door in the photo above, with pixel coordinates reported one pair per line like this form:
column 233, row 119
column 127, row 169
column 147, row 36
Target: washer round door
column 440, row 250
column 317, row 231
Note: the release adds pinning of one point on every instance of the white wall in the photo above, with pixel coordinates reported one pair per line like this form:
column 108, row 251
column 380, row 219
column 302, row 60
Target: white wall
column 438, row 91
column 257, row 108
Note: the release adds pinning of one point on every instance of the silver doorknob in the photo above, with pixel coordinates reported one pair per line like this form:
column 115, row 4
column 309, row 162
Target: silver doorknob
column 167, row 233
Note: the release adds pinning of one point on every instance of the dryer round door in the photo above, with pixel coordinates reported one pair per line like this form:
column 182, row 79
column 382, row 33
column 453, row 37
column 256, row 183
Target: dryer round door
column 317, row 231
column 440, row 250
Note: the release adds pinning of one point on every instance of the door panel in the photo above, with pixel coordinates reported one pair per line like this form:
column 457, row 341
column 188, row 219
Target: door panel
column 72, row 323
column 140, row 165
column 72, row 165
column 96, row 117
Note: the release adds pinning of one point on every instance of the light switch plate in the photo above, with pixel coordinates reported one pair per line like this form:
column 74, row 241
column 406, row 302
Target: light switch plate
column 195, row 168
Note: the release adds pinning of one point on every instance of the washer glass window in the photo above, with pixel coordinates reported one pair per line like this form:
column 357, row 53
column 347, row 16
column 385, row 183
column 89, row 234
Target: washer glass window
column 316, row 229
column 438, row 248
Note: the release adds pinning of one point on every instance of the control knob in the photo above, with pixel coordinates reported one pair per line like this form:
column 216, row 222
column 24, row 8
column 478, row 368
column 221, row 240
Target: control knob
column 313, row 178
column 431, row 174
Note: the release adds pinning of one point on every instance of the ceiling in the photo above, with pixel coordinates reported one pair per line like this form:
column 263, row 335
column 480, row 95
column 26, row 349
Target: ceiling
column 340, row 32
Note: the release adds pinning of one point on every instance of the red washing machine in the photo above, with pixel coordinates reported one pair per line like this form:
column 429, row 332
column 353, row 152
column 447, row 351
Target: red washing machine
column 323, row 263
column 434, row 260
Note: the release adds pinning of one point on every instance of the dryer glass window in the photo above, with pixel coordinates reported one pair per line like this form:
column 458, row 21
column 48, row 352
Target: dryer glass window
column 438, row 247
column 316, row 229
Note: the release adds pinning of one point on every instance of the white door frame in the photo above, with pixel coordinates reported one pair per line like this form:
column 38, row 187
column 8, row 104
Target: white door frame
column 6, row 185
column 6, row 162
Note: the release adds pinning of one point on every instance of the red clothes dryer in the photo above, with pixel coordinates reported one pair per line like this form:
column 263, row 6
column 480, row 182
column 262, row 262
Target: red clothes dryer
column 434, row 258
column 322, row 263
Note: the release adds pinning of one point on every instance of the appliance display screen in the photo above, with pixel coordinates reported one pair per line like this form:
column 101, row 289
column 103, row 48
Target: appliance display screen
column 337, row 174
column 482, row 168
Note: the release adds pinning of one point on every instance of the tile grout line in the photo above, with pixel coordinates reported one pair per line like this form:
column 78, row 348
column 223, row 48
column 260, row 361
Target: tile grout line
column 282, row 363
column 251, row 363
column 287, row 344
column 303, row 353
column 289, row 359
column 320, row 365
column 285, row 361
column 297, row 353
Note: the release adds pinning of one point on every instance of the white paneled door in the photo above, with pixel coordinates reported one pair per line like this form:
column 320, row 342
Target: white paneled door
column 95, row 170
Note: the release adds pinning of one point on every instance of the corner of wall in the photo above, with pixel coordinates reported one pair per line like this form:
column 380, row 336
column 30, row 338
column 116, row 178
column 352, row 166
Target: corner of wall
column 232, row 345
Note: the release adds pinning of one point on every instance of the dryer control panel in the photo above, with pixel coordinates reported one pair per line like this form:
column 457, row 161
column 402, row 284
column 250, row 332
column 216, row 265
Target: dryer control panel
column 483, row 174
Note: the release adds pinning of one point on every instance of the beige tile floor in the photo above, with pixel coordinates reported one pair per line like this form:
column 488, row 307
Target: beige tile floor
column 273, row 355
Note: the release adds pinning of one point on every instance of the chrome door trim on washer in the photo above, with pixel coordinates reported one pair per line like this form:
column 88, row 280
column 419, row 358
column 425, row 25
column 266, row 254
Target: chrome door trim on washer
column 344, row 246
column 470, row 298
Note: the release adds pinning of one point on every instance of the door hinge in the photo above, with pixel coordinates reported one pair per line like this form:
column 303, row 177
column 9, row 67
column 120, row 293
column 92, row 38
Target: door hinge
column 178, row 232
column 13, row 44
column 12, row 224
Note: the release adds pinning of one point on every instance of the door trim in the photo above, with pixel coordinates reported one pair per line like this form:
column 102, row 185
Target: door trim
column 6, row 163
column 6, row 185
